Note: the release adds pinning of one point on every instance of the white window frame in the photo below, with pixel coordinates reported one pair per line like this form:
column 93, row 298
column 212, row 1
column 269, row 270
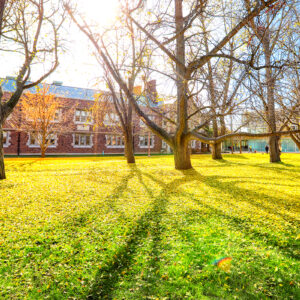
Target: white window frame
column 58, row 114
column 145, row 138
column 88, row 116
column 83, row 146
column 118, row 138
column 111, row 119
column 7, row 142
column 53, row 135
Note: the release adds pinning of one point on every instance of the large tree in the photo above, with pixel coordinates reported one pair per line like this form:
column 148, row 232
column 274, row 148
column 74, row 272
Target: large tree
column 173, row 28
column 30, row 31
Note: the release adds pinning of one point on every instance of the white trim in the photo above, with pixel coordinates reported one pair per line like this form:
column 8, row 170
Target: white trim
column 152, row 137
column 83, row 146
column 8, row 138
column 114, row 146
column 38, row 146
column 86, row 122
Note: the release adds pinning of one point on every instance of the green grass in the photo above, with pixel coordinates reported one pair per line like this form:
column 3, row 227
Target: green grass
column 96, row 228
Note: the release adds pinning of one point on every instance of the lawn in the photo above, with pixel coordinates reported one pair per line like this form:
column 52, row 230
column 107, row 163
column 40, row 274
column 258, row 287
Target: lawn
column 96, row 228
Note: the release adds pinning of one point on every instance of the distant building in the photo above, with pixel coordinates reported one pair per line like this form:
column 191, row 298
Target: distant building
column 82, row 138
column 256, row 124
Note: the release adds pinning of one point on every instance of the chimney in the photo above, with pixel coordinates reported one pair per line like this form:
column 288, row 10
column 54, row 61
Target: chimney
column 11, row 77
column 57, row 83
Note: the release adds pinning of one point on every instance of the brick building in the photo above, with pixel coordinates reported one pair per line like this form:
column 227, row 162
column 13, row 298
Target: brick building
column 81, row 135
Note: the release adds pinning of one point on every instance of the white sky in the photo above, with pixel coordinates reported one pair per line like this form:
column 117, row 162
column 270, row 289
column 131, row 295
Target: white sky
column 77, row 67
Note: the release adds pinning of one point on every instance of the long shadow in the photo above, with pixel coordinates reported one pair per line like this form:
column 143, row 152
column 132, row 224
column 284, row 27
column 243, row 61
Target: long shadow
column 239, row 223
column 274, row 167
column 108, row 277
column 241, row 194
column 239, row 156
column 109, row 202
column 238, row 193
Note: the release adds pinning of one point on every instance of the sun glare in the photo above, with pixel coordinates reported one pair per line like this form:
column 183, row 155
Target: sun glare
column 102, row 12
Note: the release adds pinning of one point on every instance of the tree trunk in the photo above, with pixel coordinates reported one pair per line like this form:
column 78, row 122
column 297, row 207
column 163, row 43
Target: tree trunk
column 129, row 153
column 241, row 151
column 271, row 115
column 182, row 155
column 129, row 148
column 2, row 167
column 274, row 149
column 43, row 153
column 216, row 151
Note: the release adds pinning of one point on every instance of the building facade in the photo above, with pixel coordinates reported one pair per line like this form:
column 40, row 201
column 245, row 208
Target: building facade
column 81, row 136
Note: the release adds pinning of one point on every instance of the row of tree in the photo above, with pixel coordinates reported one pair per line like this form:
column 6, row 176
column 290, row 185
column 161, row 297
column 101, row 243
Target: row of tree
column 218, row 58
column 222, row 56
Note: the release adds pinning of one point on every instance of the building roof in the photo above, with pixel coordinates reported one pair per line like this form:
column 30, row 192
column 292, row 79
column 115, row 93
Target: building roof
column 9, row 85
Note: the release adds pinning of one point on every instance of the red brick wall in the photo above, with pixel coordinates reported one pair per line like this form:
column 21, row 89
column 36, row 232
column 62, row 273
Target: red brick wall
column 65, row 139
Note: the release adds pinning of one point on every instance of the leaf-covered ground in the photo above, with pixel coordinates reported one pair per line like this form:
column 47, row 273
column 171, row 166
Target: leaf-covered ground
column 77, row 228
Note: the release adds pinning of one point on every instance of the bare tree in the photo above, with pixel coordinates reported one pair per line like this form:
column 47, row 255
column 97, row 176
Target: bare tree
column 266, row 35
column 171, row 34
column 32, row 32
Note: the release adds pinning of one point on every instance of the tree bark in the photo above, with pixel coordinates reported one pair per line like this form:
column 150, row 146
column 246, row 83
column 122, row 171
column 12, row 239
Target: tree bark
column 43, row 153
column 129, row 151
column 274, row 149
column 2, row 167
column 182, row 155
column 216, row 151
column 271, row 115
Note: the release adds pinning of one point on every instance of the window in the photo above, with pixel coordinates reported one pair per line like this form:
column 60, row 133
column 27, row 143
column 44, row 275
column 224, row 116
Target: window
column 164, row 144
column 82, row 140
column 6, row 138
column 83, row 116
column 143, row 142
column 34, row 140
column 143, row 125
column 193, row 144
column 57, row 115
column 114, row 141
column 52, row 139
column 111, row 119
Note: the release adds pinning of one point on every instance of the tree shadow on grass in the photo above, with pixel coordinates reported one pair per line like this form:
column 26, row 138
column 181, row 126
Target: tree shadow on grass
column 150, row 224
column 291, row 170
column 239, row 156
column 108, row 277
column 242, row 224
column 109, row 202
